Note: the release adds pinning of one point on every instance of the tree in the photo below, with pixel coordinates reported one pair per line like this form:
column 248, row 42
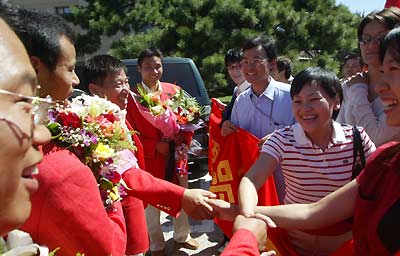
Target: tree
column 203, row 30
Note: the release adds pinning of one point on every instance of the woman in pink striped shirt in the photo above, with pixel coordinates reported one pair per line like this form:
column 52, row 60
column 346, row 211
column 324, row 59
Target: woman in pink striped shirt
column 316, row 155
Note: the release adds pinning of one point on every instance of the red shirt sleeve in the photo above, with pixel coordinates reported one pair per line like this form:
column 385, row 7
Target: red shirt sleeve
column 243, row 242
column 159, row 193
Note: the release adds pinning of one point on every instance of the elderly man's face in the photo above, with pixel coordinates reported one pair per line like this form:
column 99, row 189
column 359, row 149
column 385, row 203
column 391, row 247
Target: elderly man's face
column 18, row 135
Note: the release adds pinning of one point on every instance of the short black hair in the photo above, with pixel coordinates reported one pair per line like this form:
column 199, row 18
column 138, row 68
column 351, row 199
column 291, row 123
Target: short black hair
column 147, row 53
column 10, row 15
column 323, row 77
column 233, row 56
column 266, row 44
column 283, row 63
column 391, row 43
column 97, row 68
column 41, row 35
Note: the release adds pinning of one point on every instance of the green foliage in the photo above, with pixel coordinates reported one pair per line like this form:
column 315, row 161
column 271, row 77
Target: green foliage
column 204, row 29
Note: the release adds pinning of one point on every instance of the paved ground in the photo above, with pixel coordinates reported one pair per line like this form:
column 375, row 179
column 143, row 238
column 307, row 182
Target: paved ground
column 205, row 232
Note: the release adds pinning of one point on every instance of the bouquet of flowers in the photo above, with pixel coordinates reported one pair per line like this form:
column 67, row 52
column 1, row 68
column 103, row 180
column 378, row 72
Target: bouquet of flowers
column 156, row 112
column 94, row 130
column 188, row 112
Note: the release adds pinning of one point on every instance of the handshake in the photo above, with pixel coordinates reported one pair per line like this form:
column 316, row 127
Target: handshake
column 201, row 204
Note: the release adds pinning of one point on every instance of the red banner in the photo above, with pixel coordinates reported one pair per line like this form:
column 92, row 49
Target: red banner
column 229, row 159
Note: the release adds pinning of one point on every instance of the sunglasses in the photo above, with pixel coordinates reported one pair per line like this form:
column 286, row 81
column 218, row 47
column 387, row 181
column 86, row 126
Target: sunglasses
column 40, row 106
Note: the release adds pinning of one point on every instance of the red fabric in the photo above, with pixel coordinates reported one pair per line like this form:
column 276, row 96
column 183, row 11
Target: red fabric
column 136, row 228
column 228, row 164
column 379, row 190
column 157, row 192
column 182, row 147
column 390, row 3
column 243, row 242
column 150, row 135
column 139, row 153
column 345, row 250
column 135, row 219
column 67, row 210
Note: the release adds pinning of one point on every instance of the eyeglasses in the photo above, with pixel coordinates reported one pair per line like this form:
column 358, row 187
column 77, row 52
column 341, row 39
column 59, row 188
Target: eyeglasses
column 40, row 106
column 372, row 39
column 255, row 62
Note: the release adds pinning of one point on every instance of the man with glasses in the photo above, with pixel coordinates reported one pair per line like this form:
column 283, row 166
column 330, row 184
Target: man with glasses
column 266, row 106
column 20, row 126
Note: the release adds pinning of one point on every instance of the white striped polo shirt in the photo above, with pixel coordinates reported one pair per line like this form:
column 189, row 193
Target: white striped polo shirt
column 309, row 172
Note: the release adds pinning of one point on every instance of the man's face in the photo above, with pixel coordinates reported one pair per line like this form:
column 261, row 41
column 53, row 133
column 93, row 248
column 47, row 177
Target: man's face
column 256, row 66
column 59, row 83
column 115, row 88
column 151, row 70
column 236, row 73
column 18, row 133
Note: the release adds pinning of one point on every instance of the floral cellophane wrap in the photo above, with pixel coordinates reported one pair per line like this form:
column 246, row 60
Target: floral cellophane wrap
column 94, row 129
column 156, row 112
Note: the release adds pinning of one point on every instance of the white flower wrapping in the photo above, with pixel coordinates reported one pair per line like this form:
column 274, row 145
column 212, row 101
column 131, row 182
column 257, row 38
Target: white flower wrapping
column 20, row 243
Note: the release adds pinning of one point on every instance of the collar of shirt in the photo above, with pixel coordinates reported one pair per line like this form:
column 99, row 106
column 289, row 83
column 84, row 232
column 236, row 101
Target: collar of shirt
column 301, row 137
column 148, row 90
column 242, row 87
column 269, row 92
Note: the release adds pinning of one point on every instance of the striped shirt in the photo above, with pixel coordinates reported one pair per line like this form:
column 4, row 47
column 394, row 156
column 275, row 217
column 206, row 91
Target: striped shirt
column 309, row 172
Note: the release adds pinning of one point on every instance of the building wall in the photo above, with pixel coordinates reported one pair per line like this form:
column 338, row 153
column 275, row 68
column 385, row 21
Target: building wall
column 52, row 5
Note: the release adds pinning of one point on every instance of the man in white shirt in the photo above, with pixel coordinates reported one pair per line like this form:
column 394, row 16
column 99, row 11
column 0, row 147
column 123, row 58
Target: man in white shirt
column 266, row 106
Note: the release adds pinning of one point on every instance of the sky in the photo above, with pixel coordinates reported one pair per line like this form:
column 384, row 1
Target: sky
column 363, row 6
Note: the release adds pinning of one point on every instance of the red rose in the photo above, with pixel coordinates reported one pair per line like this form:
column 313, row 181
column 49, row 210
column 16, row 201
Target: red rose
column 115, row 177
column 110, row 117
column 69, row 119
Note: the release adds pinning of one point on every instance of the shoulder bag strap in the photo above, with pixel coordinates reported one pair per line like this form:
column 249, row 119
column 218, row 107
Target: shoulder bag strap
column 358, row 150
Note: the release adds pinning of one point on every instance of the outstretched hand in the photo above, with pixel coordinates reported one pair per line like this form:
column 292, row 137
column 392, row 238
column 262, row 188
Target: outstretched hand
column 227, row 211
column 195, row 203
column 224, row 210
column 256, row 226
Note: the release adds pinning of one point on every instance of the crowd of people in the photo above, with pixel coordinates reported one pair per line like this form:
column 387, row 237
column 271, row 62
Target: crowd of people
column 330, row 147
